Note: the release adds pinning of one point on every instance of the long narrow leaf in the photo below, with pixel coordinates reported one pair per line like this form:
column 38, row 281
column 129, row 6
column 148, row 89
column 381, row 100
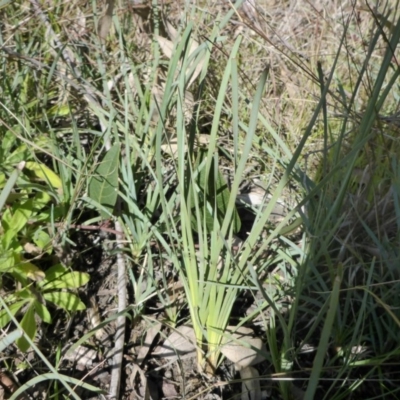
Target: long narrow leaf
column 325, row 336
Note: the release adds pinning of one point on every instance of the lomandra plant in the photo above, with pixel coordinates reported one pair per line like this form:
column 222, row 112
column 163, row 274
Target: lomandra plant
column 204, row 232
column 211, row 265
column 210, row 272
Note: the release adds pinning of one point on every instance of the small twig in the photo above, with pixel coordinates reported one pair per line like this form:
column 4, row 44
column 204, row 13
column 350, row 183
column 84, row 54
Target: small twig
column 121, row 320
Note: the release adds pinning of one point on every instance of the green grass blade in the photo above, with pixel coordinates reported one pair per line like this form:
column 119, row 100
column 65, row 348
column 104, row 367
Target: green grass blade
column 325, row 337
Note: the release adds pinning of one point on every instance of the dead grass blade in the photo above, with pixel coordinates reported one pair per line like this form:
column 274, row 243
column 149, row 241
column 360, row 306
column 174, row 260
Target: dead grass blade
column 105, row 21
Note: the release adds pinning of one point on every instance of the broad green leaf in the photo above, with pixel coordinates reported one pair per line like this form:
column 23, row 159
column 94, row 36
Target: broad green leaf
column 40, row 200
column 28, row 324
column 104, row 184
column 21, row 277
column 54, row 272
column 42, row 240
column 18, row 220
column 44, row 173
column 59, row 111
column 8, row 141
column 30, row 270
column 7, row 239
column 21, row 153
column 212, row 191
column 13, row 308
column 7, row 260
column 70, row 280
column 65, row 300
column 25, row 293
column 43, row 312
column 6, row 218
column 20, row 217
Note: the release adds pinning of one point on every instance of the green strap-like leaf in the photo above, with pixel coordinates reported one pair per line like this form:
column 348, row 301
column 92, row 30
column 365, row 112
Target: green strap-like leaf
column 213, row 194
column 28, row 324
column 104, row 184
column 325, row 336
column 43, row 312
column 53, row 376
column 10, row 183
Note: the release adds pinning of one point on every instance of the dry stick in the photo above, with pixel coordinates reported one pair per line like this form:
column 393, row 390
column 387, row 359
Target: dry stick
column 90, row 97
